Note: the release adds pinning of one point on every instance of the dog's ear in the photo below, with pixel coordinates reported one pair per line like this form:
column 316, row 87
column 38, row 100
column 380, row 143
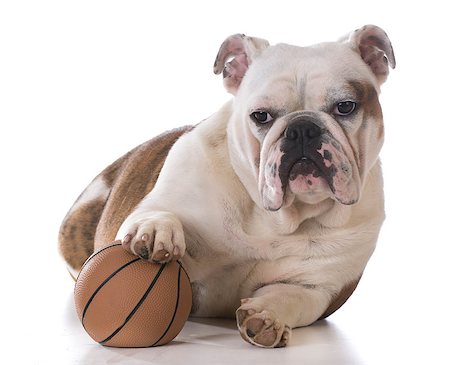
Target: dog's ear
column 241, row 50
column 375, row 48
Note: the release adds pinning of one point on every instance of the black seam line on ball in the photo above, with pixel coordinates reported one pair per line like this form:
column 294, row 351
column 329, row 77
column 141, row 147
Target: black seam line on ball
column 181, row 265
column 95, row 254
column 147, row 292
column 175, row 310
column 103, row 284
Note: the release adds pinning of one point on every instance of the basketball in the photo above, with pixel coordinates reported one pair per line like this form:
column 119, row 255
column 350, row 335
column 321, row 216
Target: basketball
column 124, row 301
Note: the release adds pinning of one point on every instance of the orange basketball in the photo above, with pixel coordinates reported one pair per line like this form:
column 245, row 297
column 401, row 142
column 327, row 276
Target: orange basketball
column 124, row 301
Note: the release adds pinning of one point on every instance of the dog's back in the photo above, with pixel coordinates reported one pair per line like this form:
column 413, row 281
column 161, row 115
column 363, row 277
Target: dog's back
column 92, row 222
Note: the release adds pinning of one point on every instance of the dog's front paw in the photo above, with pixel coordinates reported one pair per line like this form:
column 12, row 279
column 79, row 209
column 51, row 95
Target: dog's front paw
column 157, row 238
column 260, row 327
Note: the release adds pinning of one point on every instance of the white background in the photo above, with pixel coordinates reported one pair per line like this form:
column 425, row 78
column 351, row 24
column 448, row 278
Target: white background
column 82, row 82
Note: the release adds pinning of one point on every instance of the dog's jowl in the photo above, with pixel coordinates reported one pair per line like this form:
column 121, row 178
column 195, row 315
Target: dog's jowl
column 274, row 203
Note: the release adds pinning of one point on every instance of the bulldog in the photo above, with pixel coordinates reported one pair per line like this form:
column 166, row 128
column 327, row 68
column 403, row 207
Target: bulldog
column 273, row 204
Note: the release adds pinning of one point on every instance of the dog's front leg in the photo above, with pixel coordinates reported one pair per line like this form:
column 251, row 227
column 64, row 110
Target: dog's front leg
column 266, row 319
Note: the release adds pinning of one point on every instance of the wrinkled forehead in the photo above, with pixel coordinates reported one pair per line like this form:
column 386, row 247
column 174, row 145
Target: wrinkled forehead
column 284, row 71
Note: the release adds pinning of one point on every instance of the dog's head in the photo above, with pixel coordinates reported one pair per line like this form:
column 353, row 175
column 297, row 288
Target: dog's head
column 306, row 121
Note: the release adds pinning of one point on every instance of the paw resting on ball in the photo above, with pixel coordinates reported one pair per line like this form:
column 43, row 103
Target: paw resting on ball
column 158, row 238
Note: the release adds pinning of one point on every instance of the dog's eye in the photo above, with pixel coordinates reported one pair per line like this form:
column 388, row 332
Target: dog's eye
column 345, row 108
column 261, row 117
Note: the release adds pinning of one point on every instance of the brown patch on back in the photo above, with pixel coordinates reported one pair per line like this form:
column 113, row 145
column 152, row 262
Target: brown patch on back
column 76, row 235
column 111, row 173
column 137, row 179
column 339, row 300
column 77, row 232
column 130, row 178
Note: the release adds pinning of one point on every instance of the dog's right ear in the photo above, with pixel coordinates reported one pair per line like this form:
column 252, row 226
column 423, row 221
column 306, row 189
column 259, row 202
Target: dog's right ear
column 375, row 48
column 244, row 49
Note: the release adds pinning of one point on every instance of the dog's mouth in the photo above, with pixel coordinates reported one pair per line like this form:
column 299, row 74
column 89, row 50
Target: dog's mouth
column 305, row 166
column 307, row 176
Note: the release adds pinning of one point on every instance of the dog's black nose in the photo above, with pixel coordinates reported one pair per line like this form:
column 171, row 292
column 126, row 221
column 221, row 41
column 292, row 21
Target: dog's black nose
column 302, row 131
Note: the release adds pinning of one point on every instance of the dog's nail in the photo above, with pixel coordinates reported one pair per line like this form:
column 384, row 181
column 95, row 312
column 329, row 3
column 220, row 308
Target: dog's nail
column 144, row 237
column 127, row 239
column 167, row 254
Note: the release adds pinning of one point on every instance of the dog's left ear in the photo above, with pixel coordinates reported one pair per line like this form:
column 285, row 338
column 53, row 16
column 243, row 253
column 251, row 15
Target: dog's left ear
column 244, row 49
column 375, row 48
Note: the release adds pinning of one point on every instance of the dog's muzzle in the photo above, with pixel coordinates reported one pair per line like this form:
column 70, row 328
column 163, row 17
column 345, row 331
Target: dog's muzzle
column 300, row 147
column 308, row 159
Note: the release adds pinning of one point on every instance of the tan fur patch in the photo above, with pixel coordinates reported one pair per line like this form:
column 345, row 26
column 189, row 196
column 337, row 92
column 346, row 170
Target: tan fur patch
column 76, row 235
column 77, row 232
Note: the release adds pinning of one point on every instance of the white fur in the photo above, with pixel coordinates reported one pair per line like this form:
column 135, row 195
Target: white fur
column 237, row 232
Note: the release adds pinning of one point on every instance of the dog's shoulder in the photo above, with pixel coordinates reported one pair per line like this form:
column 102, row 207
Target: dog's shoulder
column 206, row 144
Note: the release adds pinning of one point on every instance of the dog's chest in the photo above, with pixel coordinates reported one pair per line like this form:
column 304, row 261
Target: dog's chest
column 226, row 264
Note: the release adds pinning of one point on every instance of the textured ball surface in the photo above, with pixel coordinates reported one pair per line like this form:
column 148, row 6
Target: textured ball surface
column 124, row 301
